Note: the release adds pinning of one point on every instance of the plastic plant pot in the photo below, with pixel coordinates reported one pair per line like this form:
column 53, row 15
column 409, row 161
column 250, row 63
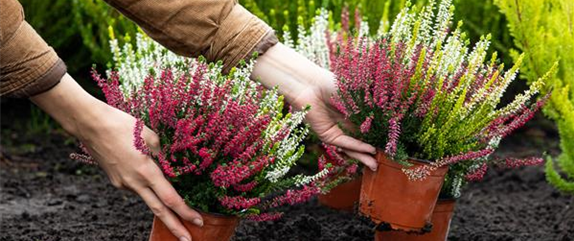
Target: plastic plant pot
column 388, row 197
column 441, row 218
column 344, row 196
column 216, row 227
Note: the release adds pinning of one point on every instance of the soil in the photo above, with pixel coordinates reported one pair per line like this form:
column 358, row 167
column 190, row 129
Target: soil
column 46, row 196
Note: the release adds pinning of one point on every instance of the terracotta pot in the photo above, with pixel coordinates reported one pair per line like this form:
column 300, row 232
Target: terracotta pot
column 389, row 197
column 440, row 226
column 216, row 227
column 344, row 196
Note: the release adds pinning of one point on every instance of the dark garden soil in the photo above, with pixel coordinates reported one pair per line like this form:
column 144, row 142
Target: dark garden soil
column 46, row 196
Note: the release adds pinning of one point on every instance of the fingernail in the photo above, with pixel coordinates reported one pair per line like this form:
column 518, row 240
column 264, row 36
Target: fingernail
column 198, row 222
column 373, row 169
column 182, row 238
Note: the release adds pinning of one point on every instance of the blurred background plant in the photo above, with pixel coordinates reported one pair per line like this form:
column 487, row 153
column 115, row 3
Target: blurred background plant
column 77, row 29
column 544, row 30
column 479, row 17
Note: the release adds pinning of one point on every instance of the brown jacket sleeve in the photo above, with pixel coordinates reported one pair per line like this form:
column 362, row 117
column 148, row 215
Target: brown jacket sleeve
column 28, row 66
column 217, row 29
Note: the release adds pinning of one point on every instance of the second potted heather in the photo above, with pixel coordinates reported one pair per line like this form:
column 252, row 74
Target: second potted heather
column 431, row 105
column 226, row 146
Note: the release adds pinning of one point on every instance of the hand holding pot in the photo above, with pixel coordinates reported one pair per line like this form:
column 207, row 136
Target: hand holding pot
column 302, row 82
column 107, row 133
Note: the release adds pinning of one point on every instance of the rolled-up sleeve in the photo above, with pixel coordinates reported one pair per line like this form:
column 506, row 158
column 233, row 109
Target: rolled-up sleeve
column 217, row 29
column 28, row 66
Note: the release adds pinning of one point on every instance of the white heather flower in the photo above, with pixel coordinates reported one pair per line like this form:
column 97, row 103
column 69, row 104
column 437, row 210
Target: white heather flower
column 301, row 180
column 364, row 31
column 426, row 19
column 287, row 40
column 313, row 43
column 401, row 30
column 456, row 186
column 443, row 19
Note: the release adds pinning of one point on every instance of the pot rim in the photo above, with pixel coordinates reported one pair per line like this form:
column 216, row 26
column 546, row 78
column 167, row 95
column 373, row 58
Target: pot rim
column 409, row 158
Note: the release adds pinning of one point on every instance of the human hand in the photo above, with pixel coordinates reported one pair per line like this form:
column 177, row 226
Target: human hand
column 304, row 83
column 324, row 121
column 108, row 136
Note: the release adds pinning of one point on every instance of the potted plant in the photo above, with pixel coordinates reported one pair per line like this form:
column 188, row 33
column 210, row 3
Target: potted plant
column 344, row 181
column 226, row 146
column 317, row 44
column 431, row 105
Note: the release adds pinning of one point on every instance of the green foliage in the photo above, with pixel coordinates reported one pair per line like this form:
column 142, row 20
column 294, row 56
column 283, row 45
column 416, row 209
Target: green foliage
column 40, row 122
column 60, row 21
column 281, row 15
column 544, row 29
column 92, row 18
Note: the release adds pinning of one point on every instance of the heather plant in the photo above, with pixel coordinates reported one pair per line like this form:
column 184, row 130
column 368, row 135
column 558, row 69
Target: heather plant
column 419, row 91
column 226, row 145
column 545, row 31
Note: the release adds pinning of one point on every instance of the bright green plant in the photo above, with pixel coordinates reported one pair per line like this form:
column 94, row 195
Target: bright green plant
column 544, row 29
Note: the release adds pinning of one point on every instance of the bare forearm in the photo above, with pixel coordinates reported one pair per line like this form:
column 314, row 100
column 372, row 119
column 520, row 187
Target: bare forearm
column 290, row 71
column 70, row 105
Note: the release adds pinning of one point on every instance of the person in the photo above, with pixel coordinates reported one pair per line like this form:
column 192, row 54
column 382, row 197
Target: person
column 219, row 30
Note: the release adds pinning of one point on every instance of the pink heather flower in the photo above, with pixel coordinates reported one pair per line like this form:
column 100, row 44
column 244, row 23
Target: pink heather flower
column 111, row 89
column 165, row 166
column 521, row 119
column 83, row 158
column 352, row 169
column 187, row 167
column 338, row 104
column 206, row 156
column 345, row 19
column 477, row 174
column 238, row 202
column 332, row 156
column 264, row 217
column 235, row 172
column 139, row 142
column 422, row 172
column 393, row 138
column 471, row 155
column 357, row 19
column 517, row 162
column 293, row 197
column 366, row 126
column 245, row 187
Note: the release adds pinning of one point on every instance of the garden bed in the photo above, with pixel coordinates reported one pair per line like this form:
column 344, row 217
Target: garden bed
column 46, row 196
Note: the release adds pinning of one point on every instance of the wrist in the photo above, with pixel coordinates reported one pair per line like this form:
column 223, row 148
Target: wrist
column 292, row 73
column 71, row 106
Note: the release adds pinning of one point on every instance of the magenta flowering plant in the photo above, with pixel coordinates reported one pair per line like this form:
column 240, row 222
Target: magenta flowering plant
column 419, row 91
column 226, row 145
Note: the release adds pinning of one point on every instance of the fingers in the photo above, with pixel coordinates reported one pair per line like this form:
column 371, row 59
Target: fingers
column 165, row 214
column 170, row 198
column 352, row 144
column 368, row 160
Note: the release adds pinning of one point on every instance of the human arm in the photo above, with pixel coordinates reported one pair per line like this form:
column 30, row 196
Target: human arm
column 107, row 133
column 29, row 68
column 224, row 30
column 304, row 83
